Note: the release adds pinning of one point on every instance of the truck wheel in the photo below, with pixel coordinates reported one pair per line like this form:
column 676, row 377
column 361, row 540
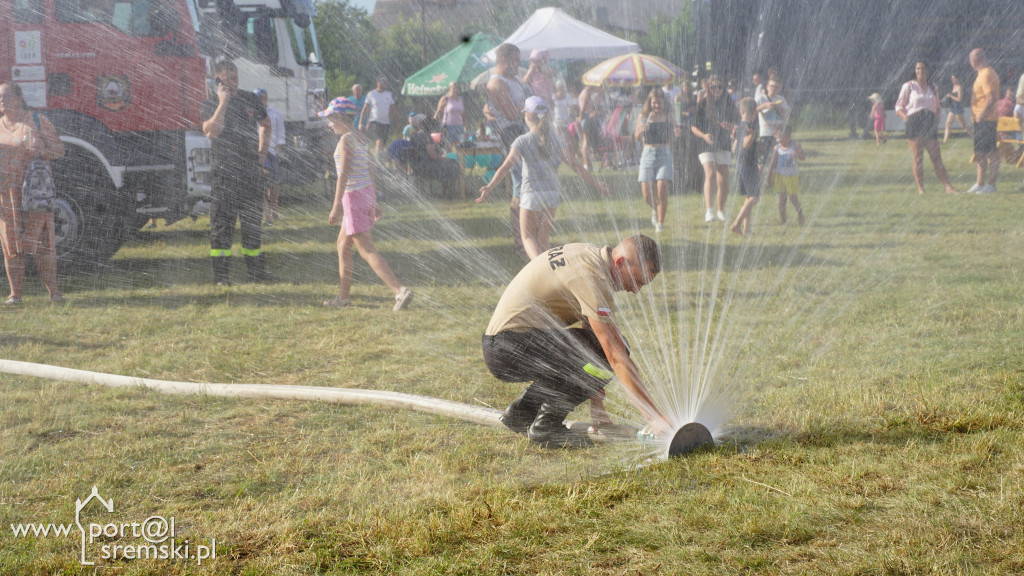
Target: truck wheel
column 91, row 219
column 67, row 221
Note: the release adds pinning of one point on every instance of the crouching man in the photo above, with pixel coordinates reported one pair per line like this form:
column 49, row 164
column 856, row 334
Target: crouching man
column 529, row 337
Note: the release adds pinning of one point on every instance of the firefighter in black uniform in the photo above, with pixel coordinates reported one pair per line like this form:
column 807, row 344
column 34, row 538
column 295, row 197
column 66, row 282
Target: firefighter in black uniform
column 238, row 125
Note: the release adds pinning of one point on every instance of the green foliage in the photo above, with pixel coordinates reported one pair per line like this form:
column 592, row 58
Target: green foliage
column 339, row 82
column 407, row 47
column 347, row 40
column 670, row 38
column 354, row 51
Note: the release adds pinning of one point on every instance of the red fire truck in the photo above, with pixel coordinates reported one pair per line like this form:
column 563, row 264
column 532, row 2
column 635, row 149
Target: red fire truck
column 123, row 82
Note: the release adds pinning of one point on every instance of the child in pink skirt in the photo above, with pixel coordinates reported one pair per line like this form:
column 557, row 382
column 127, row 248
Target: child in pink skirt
column 355, row 205
column 878, row 115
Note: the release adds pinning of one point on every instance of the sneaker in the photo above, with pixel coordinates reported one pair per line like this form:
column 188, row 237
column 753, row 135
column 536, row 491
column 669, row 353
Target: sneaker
column 658, row 227
column 403, row 299
column 986, row 189
column 654, row 218
column 973, row 189
column 721, row 216
column 709, row 216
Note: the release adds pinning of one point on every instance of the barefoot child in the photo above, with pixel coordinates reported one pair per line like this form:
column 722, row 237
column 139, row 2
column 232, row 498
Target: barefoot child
column 784, row 171
column 746, row 164
column 355, row 197
column 878, row 118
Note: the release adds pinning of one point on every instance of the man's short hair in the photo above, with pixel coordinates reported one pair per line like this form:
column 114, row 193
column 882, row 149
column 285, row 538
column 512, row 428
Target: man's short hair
column 505, row 51
column 646, row 250
column 225, row 66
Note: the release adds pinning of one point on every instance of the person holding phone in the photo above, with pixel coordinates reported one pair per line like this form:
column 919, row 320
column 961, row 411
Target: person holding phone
column 239, row 129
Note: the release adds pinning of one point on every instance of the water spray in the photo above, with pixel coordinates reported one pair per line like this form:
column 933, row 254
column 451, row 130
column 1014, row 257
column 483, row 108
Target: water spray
column 695, row 434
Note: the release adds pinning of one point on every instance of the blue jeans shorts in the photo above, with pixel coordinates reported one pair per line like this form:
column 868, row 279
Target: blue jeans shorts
column 656, row 164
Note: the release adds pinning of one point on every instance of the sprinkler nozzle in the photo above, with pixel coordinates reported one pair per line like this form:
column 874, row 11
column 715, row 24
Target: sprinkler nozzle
column 689, row 438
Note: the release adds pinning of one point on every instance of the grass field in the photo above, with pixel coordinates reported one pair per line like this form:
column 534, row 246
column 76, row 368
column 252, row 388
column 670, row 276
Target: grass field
column 864, row 375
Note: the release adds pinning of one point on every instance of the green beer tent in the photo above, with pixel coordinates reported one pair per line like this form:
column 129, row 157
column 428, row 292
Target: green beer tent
column 461, row 65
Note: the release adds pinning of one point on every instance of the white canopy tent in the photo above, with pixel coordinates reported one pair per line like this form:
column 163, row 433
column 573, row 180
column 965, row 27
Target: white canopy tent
column 565, row 38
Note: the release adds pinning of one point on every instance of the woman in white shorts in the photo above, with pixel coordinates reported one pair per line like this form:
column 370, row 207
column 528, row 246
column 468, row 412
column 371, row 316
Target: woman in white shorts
column 713, row 124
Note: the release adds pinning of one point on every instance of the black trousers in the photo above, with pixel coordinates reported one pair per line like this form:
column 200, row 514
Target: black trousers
column 566, row 366
column 237, row 196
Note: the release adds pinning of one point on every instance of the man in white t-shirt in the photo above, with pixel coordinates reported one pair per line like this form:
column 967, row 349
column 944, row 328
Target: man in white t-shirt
column 772, row 114
column 671, row 91
column 376, row 115
column 758, row 82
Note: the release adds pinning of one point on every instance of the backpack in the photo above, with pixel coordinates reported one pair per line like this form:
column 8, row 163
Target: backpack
column 38, row 193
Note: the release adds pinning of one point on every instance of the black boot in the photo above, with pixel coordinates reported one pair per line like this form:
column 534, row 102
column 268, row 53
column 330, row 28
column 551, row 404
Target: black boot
column 522, row 411
column 255, row 269
column 221, row 270
column 549, row 429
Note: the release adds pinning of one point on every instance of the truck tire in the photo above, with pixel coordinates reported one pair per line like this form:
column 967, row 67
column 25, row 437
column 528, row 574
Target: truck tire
column 92, row 217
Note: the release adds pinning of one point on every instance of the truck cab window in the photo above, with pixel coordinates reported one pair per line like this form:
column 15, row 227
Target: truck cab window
column 303, row 43
column 134, row 18
column 28, row 11
column 261, row 40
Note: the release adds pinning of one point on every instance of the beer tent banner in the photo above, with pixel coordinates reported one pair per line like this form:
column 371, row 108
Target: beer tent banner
column 461, row 64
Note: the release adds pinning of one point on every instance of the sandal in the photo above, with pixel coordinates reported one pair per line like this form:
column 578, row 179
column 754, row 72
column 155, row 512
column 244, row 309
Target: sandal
column 58, row 299
column 337, row 302
column 12, row 301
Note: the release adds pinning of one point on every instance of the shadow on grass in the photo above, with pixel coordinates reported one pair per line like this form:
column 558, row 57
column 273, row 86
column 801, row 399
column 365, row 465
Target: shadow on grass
column 490, row 265
column 931, row 425
column 175, row 236
column 18, row 339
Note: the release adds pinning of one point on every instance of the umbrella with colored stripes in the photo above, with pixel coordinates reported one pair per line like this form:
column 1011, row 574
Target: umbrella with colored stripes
column 632, row 70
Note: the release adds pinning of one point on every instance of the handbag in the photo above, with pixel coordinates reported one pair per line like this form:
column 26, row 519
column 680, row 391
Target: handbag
column 38, row 192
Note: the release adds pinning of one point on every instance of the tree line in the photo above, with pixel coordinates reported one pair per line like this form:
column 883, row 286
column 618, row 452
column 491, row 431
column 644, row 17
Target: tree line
column 354, row 51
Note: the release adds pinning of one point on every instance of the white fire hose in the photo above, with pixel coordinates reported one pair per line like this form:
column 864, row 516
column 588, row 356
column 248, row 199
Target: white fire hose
column 345, row 396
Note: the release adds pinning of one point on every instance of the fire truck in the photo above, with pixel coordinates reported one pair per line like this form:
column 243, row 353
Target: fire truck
column 123, row 82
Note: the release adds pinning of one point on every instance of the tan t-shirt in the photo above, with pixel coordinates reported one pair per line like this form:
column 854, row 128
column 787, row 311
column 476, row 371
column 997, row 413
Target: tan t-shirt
column 558, row 289
column 986, row 92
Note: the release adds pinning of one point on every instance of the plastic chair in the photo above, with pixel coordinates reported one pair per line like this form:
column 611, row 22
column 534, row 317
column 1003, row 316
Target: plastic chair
column 1010, row 143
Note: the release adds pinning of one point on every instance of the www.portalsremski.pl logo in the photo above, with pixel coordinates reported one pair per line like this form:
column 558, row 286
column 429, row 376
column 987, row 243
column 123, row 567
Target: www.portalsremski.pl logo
column 154, row 538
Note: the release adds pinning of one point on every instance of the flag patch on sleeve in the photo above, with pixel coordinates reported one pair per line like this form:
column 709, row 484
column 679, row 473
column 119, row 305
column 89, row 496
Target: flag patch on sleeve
column 602, row 311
